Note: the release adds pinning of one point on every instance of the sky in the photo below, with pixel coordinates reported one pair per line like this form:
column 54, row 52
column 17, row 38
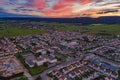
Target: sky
column 59, row 8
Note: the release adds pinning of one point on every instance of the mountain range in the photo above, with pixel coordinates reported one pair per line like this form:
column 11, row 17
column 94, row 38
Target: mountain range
column 82, row 20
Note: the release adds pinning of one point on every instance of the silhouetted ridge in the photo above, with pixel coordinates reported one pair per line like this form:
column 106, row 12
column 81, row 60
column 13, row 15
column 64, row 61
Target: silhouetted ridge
column 82, row 20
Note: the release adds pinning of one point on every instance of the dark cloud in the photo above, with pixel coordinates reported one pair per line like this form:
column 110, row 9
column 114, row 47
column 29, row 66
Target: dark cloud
column 108, row 11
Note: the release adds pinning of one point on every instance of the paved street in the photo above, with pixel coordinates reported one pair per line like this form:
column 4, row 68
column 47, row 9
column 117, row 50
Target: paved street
column 27, row 74
column 109, row 61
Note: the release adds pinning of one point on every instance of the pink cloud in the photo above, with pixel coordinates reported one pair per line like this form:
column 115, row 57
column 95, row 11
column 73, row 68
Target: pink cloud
column 58, row 13
column 83, row 2
column 40, row 4
column 63, row 4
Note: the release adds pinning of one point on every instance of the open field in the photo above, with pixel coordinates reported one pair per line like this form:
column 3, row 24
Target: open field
column 15, row 28
column 6, row 32
column 105, row 31
column 111, row 29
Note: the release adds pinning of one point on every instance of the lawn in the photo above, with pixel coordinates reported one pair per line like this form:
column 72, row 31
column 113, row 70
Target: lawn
column 6, row 32
column 37, row 69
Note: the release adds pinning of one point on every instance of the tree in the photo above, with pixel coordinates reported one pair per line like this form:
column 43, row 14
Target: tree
column 119, row 73
column 78, row 78
column 39, row 78
column 23, row 78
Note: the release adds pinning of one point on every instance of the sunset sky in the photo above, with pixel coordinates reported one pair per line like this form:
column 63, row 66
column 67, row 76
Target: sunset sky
column 60, row 8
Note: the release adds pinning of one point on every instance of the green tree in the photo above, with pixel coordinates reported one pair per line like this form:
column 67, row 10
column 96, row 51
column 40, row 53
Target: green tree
column 23, row 78
column 39, row 78
column 119, row 73
column 78, row 78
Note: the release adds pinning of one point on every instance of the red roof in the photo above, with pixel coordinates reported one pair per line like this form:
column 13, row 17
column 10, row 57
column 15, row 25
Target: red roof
column 63, row 77
column 74, row 65
column 77, row 64
column 54, row 71
column 77, row 71
column 37, row 48
column 70, row 67
column 58, row 74
column 1, row 63
column 66, row 69
column 2, row 71
column 73, row 73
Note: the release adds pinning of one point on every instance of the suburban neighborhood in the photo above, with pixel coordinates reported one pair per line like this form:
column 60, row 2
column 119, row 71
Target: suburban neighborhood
column 59, row 39
column 60, row 55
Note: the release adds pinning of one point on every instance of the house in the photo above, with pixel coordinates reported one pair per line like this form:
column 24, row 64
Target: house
column 78, row 64
column 40, row 61
column 72, row 75
column 108, row 78
column 108, row 72
column 68, row 69
column 77, row 72
column 51, row 59
column 29, row 59
column 65, row 70
column 30, row 63
column 102, row 69
column 45, row 58
column 83, row 69
column 59, row 75
column 43, row 52
column 62, row 78
column 37, row 49
column 54, row 72
column 114, row 74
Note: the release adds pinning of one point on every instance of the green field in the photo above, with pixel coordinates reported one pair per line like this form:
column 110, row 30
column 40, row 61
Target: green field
column 69, row 28
column 37, row 69
column 106, row 31
column 6, row 32
column 110, row 29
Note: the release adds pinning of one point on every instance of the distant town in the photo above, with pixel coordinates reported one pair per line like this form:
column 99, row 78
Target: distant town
column 59, row 55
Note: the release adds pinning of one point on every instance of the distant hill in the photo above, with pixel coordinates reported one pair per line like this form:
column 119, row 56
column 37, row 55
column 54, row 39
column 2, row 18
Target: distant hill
column 82, row 20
